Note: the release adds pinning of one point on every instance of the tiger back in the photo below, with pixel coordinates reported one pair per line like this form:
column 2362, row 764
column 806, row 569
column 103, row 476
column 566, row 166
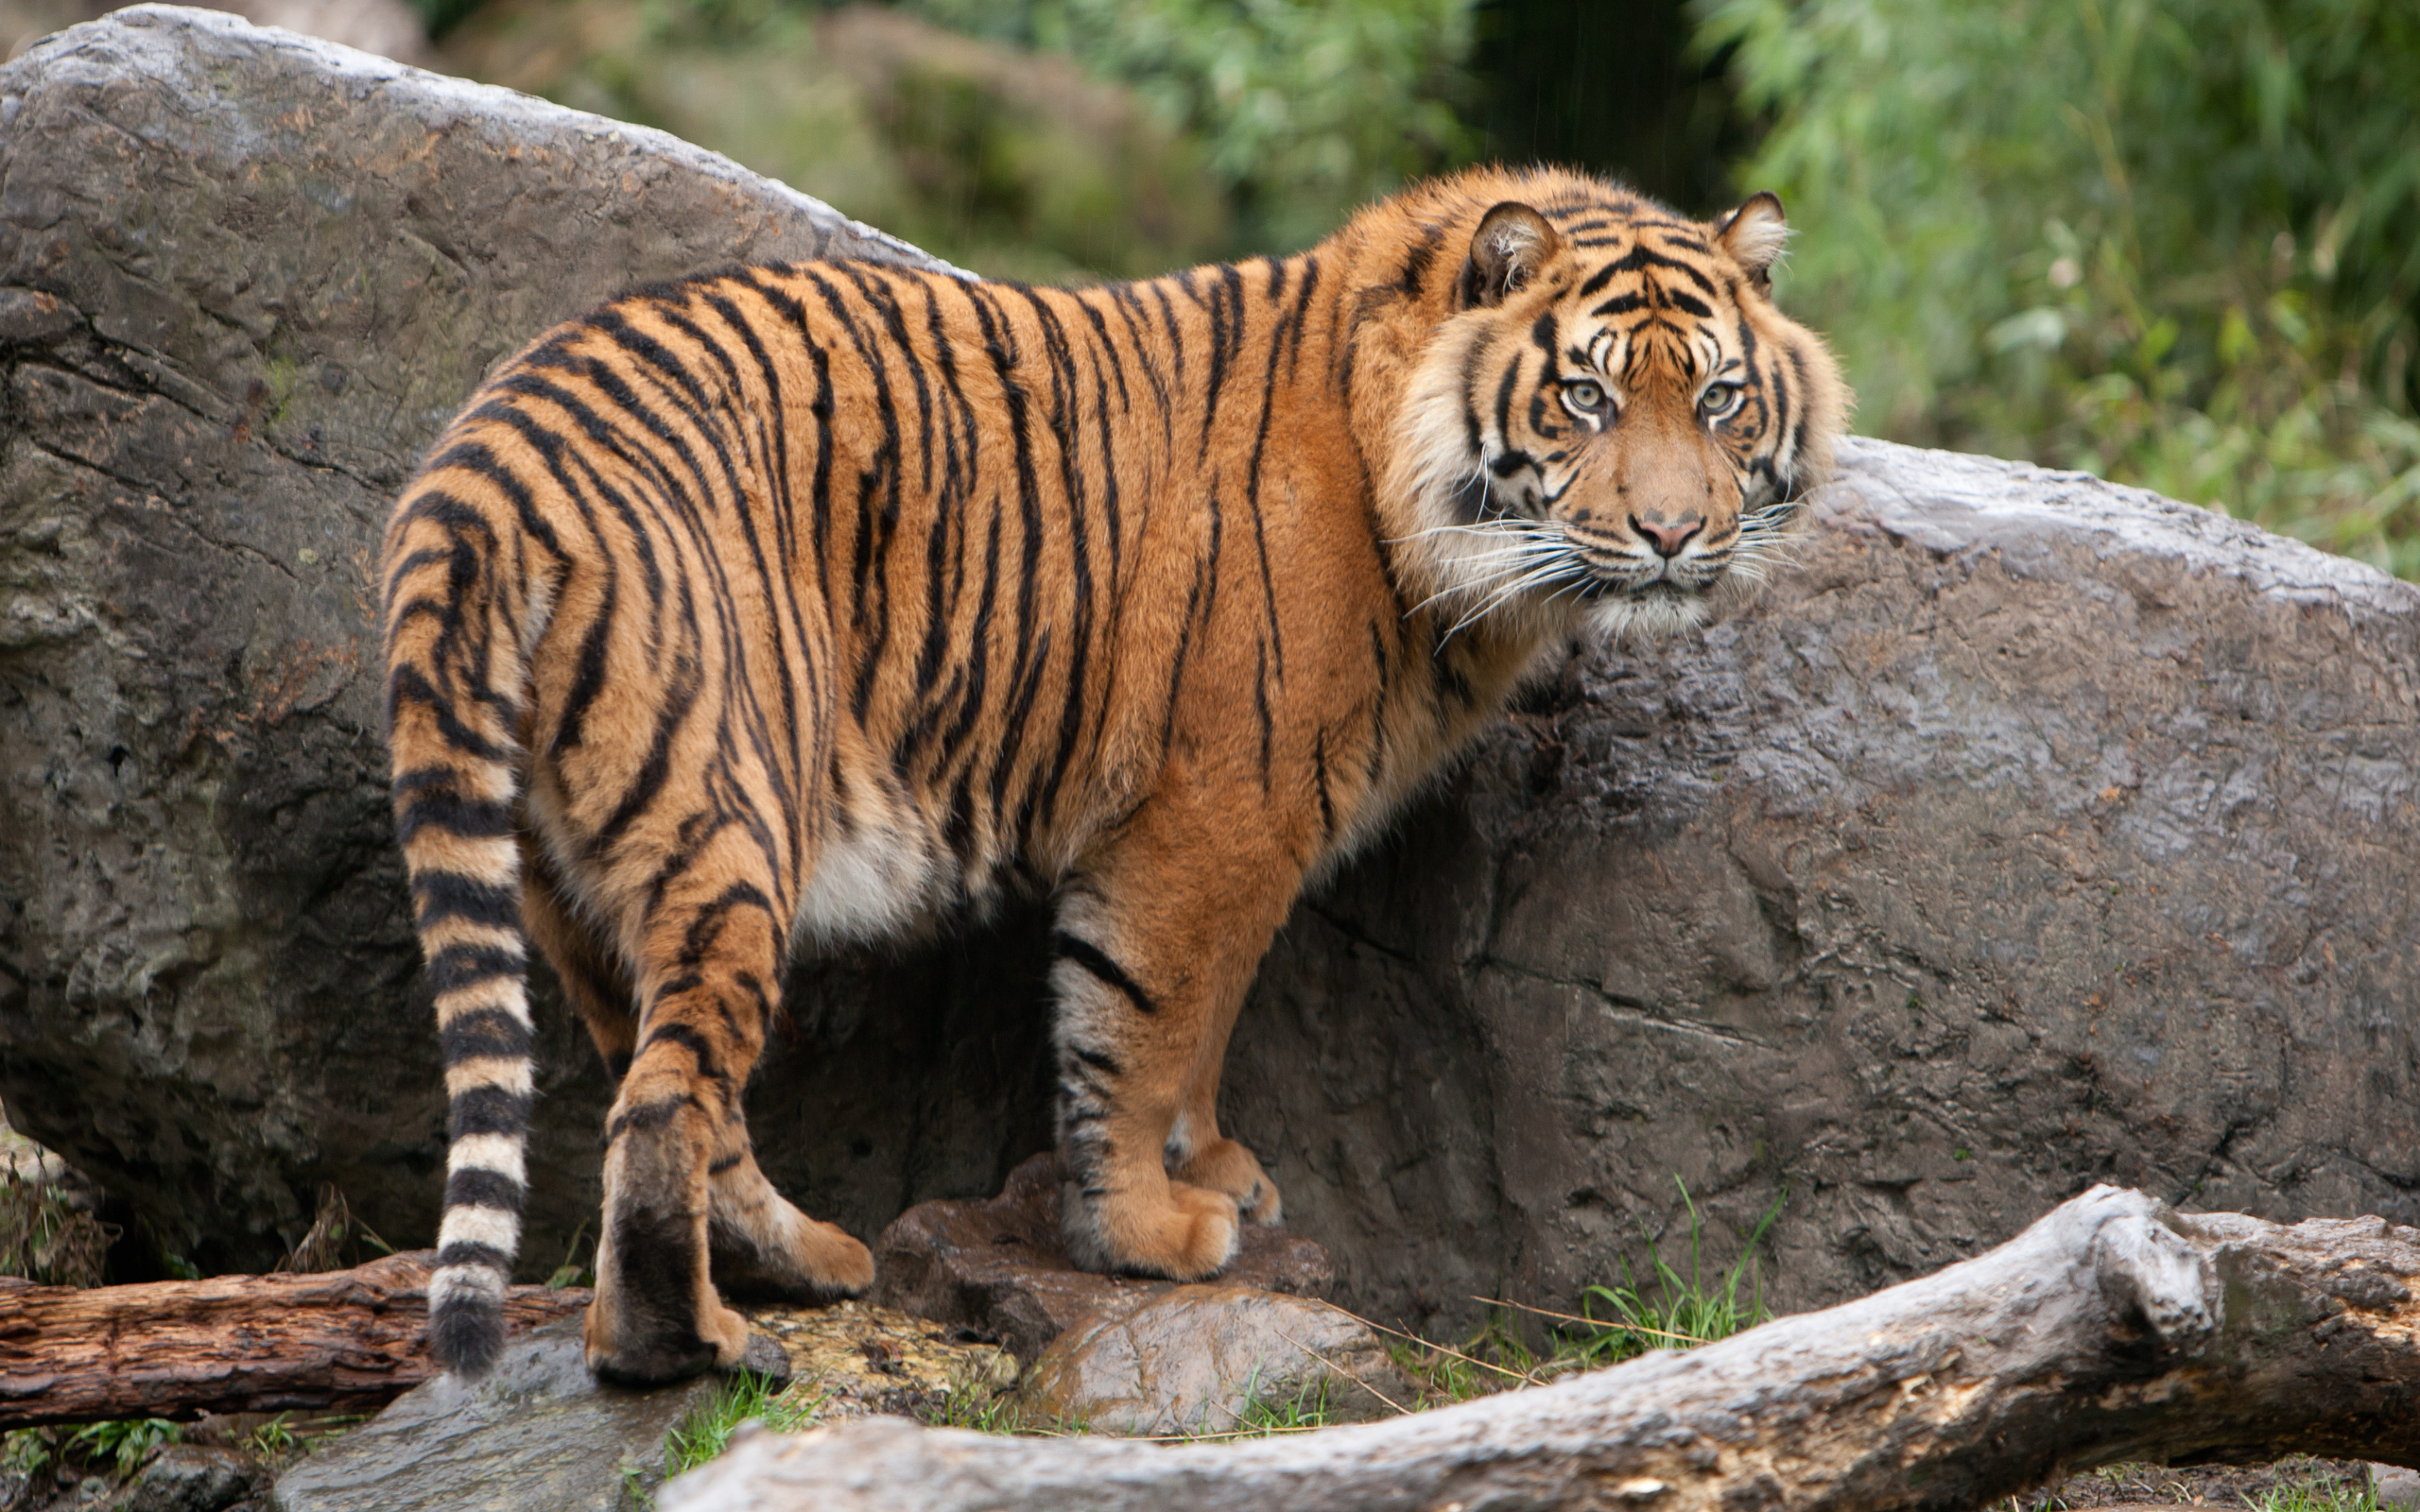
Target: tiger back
column 793, row 606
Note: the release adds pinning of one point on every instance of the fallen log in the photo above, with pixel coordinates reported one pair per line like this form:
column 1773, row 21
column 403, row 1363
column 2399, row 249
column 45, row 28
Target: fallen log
column 341, row 1340
column 2113, row 1328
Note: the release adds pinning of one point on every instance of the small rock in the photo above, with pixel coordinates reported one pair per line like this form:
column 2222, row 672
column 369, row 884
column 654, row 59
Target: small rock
column 2395, row 1487
column 1196, row 1359
column 192, row 1478
column 999, row 1267
column 539, row 1434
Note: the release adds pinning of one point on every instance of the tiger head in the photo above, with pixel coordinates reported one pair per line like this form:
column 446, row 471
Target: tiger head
column 1612, row 422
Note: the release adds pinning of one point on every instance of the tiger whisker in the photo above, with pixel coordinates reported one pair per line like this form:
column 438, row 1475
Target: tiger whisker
column 1570, row 566
column 1524, row 559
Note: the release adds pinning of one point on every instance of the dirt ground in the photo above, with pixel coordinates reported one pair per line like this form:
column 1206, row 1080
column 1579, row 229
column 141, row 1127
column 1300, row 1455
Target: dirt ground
column 2320, row 1484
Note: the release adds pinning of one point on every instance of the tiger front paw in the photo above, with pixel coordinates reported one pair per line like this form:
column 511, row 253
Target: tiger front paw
column 1189, row 1234
column 792, row 1258
column 1226, row 1167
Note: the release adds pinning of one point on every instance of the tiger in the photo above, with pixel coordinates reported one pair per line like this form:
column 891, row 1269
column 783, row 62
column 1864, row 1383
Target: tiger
column 795, row 606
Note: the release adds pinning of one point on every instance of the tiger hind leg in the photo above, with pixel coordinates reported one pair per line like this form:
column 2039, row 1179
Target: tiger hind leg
column 681, row 1191
column 762, row 1247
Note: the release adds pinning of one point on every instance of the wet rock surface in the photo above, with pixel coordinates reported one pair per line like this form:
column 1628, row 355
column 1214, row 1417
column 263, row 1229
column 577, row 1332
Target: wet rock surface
column 540, row 1434
column 998, row 1266
column 1212, row 1360
column 2029, row 832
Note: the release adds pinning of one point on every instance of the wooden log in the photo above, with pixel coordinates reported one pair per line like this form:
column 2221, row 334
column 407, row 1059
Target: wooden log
column 341, row 1340
column 2111, row 1329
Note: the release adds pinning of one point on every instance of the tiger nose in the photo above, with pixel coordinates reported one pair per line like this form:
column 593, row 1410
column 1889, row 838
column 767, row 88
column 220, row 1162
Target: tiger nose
column 1668, row 534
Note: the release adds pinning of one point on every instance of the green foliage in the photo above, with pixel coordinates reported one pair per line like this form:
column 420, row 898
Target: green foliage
column 24, row 1451
column 1310, row 107
column 126, row 1443
column 1306, row 1409
column 1681, row 1313
column 1015, row 166
column 706, row 1432
column 2174, row 243
column 282, row 1439
column 2298, row 1489
column 1494, row 1358
column 274, row 1439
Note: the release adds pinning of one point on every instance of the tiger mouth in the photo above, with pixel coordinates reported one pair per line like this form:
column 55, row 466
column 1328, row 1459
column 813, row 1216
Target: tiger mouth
column 1603, row 586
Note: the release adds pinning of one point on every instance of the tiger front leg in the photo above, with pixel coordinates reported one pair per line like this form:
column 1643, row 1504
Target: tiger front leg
column 764, row 1248
column 1155, row 949
column 1198, row 1155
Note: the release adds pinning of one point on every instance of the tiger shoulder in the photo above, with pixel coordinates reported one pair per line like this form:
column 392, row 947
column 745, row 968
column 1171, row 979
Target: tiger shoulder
column 797, row 606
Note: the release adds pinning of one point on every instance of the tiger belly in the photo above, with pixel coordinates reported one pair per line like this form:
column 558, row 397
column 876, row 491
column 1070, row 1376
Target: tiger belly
column 876, row 882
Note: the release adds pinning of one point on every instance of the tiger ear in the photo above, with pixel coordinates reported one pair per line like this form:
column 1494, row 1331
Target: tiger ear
column 1513, row 242
column 1753, row 234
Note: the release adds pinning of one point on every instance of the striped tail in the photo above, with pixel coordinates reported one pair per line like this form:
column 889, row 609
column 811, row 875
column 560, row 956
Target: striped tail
column 456, row 670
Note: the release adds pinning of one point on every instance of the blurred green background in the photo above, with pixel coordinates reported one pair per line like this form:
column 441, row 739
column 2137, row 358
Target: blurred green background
column 2176, row 244
column 2173, row 242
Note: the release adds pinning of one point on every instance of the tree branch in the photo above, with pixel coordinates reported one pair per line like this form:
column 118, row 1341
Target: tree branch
column 347, row 1340
column 2111, row 1329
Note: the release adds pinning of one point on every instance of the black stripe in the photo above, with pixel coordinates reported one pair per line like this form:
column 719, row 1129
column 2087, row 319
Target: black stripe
column 483, row 1034
column 487, row 1110
column 405, row 683
column 687, row 1039
column 442, row 895
column 456, row 967
column 1319, row 771
column 648, row 1115
column 474, row 1188
column 683, row 687
column 1415, row 268
column 1085, row 954
column 469, row 1252
column 1260, row 705
column 470, row 819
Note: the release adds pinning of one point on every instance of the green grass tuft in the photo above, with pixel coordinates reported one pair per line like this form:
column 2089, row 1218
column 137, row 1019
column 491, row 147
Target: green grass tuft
column 1681, row 1314
column 1615, row 1323
column 2300, row 1494
column 706, row 1432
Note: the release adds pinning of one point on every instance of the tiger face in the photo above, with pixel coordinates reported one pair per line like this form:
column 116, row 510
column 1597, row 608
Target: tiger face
column 1614, row 425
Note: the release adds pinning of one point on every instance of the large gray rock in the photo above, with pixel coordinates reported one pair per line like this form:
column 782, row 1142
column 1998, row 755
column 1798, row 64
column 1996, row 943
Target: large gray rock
column 244, row 278
column 2030, row 832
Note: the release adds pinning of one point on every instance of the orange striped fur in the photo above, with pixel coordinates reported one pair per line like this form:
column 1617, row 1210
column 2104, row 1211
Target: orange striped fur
column 796, row 605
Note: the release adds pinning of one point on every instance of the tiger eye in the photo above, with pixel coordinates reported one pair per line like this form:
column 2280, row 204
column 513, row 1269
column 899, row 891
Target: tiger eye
column 1584, row 394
